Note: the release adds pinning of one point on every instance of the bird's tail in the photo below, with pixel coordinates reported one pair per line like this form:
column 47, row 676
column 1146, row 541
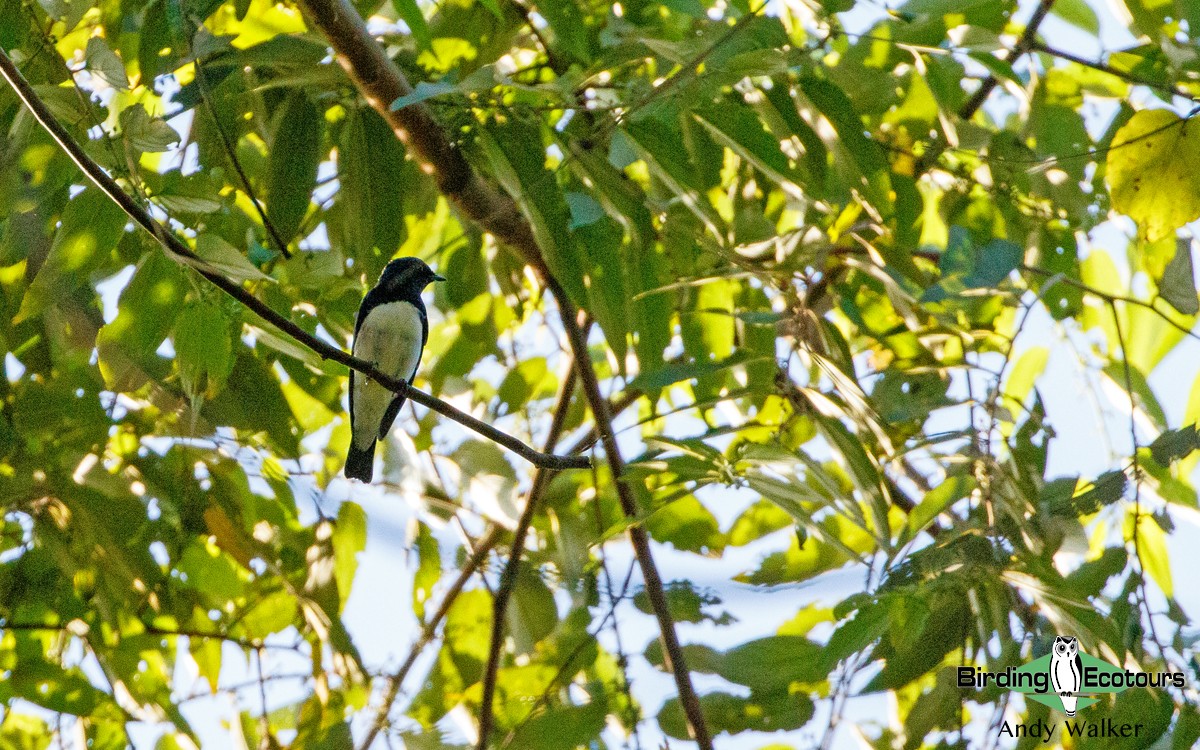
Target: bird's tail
column 360, row 463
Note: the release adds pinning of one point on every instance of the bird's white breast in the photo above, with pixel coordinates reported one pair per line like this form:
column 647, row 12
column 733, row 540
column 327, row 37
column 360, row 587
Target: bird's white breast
column 389, row 337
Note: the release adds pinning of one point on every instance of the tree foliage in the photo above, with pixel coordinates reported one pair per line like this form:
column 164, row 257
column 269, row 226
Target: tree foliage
column 826, row 268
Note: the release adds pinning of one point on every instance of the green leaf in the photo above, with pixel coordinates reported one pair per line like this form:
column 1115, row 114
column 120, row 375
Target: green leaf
column 729, row 713
column 206, row 652
column 1152, row 551
column 740, row 130
column 411, row 14
column 372, row 166
column 145, row 133
column 562, row 728
column 146, row 313
column 253, row 402
column 584, row 209
column 429, row 569
column 423, row 91
column 526, row 382
column 1173, row 445
column 468, row 632
column 1178, row 282
column 271, row 614
column 1077, row 13
column 91, row 226
column 349, row 539
column 211, row 572
column 520, row 167
column 771, row 664
column 848, row 123
column 685, row 604
column 572, row 33
column 757, row 521
column 292, row 168
column 605, row 280
column 203, row 350
column 708, row 330
column 1152, row 165
column 532, row 613
column 1187, row 728
column 687, row 525
column 225, row 259
column 103, row 62
column 1028, row 369
column 952, row 489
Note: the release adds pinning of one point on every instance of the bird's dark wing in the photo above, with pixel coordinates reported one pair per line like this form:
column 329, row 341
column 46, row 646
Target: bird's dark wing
column 389, row 416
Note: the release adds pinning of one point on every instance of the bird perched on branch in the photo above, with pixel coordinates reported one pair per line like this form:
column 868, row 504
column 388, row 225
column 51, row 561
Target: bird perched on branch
column 390, row 332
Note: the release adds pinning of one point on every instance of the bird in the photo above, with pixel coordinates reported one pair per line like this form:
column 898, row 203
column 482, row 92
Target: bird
column 1066, row 671
column 390, row 333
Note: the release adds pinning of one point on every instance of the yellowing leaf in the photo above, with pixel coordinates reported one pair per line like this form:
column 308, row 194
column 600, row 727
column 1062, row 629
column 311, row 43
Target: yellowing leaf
column 1027, row 370
column 1152, row 550
column 1152, row 169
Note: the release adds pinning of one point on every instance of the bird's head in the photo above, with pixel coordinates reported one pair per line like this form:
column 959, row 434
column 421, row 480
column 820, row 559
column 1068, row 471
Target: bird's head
column 406, row 277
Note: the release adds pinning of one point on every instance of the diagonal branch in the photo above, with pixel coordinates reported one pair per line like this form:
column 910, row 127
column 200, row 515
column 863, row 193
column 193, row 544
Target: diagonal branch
column 508, row 578
column 381, row 82
column 1024, row 44
column 1104, row 67
column 184, row 254
column 231, row 152
column 482, row 548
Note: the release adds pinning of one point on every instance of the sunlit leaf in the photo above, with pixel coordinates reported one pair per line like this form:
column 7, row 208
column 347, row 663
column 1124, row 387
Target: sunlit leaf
column 1150, row 167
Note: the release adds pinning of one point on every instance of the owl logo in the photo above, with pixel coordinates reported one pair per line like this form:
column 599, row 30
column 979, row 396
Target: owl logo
column 1066, row 671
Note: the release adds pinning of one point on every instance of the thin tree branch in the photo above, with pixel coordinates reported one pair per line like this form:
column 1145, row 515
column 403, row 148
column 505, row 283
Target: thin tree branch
column 673, row 656
column 381, row 82
column 484, row 546
column 231, row 151
column 250, row 644
column 181, row 252
column 1024, row 44
column 1104, row 67
column 1117, row 298
column 1137, row 479
column 508, row 578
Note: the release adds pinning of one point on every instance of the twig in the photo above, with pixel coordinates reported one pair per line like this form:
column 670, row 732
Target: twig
column 1137, row 479
column 972, row 105
column 1107, row 297
column 231, row 151
column 1104, row 67
column 567, row 663
column 508, row 578
column 246, row 643
column 482, row 548
column 176, row 248
column 381, row 82
column 673, row 657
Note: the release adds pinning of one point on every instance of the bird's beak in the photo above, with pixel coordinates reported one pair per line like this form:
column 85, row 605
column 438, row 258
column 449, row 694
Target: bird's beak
column 436, row 277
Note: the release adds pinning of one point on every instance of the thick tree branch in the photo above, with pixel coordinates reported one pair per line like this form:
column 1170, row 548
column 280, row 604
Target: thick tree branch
column 381, row 82
column 182, row 253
